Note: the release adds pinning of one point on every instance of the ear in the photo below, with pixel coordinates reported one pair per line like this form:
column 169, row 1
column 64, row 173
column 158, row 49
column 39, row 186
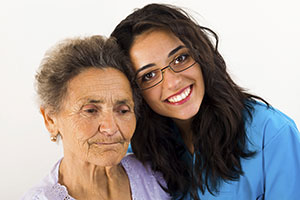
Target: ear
column 50, row 121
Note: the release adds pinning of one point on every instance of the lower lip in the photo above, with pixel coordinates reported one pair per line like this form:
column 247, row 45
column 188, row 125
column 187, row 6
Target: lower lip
column 108, row 144
column 183, row 100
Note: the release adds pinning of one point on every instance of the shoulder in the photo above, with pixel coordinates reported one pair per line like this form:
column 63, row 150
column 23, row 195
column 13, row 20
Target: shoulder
column 48, row 188
column 267, row 124
column 264, row 115
column 130, row 162
column 144, row 182
column 34, row 193
column 141, row 171
column 274, row 171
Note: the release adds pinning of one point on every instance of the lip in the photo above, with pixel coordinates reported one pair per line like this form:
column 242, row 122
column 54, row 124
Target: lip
column 182, row 101
column 107, row 143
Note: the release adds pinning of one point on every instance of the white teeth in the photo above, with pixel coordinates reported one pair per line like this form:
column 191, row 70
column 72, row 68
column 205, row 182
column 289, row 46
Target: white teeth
column 181, row 96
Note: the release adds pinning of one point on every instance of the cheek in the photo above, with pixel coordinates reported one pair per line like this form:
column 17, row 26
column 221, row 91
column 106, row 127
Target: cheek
column 127, row 126
column 152, row 97
column 197, row 74
column 79, row 129
column 87, row 128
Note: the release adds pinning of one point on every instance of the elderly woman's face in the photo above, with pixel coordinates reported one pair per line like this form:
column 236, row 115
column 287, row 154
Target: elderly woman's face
column 97, row 118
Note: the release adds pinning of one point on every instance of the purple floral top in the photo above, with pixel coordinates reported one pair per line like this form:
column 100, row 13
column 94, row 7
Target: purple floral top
column 144, row 183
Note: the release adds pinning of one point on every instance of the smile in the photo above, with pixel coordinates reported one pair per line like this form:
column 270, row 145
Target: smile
column 181, row 97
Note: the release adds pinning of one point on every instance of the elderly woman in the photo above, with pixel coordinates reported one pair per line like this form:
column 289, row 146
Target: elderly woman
column 88, row 102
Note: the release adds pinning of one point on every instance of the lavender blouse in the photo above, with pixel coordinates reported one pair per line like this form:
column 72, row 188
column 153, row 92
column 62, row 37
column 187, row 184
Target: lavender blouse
column 144, row 183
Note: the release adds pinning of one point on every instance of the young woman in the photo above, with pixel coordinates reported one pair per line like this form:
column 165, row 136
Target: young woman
column 209, row 138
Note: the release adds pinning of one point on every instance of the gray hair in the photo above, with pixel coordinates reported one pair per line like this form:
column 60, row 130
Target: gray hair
column 70, row 57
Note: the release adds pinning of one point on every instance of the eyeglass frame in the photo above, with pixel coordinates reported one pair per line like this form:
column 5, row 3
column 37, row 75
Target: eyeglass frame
column 162, row 74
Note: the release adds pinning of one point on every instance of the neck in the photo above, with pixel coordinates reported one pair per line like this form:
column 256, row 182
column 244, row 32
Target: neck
column 185, row 128
column 88, row 181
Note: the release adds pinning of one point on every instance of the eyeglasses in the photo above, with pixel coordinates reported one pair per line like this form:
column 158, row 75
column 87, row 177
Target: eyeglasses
column 150, row 78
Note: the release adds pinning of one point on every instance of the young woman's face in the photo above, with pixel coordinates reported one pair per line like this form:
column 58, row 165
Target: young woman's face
column 178, row 95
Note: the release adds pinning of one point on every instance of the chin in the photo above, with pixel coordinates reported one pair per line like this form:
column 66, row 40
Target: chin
column 186, row 115
column 112, row 158
column 184, row 118
column 105, row 162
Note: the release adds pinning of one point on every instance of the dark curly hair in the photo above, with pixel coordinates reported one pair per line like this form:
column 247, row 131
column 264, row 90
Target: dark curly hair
column 219, row 135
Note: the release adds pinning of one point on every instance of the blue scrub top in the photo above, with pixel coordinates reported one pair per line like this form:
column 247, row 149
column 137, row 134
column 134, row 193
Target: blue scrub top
column 274, row 172
column 129, row 150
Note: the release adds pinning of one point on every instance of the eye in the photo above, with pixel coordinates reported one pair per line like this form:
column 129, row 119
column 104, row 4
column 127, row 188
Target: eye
column 91, row 110
column 149, row 76
column 123, row 109
column 180, row 59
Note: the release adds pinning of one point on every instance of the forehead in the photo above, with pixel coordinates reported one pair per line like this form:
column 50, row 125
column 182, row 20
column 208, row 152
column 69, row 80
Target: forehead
column 99, row 84
column 152, row 46
column 155, row 37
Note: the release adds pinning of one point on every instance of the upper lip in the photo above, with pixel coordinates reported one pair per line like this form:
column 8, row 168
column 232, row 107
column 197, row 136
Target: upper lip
column 108, row 142
column 177, row 93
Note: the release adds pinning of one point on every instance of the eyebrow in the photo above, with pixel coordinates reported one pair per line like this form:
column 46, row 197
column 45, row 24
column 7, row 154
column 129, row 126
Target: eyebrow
column 143, row 68
column 95, row 101
column 123, row 101
column 152, row 64
column 127, row 102
column 175, row 50
column 118, row 102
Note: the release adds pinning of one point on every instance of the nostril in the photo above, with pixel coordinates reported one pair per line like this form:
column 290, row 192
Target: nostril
column 171, row 79
column 107, row 128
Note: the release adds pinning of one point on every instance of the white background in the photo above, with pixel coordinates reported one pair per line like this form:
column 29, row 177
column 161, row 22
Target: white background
column 259, row 40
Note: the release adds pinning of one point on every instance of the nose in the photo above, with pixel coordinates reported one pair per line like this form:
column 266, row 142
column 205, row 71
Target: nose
column 108, row 125
column 171, row 80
